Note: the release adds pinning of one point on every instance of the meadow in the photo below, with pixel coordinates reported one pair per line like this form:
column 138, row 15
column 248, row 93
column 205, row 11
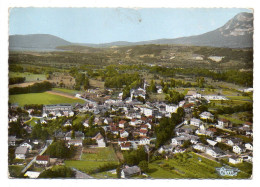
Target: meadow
column 29, row 77
column 41, row 98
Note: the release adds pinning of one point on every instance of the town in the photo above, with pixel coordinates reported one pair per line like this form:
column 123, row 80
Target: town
column 131, row 131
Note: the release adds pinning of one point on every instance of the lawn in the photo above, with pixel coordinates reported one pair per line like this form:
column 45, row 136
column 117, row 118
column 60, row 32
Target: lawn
column 100, row 154
column 91, row 161
column 104, row 175
column 32, row 121
column 41, row 98
column 15, row 171
column 29, row 77
column 189, row 167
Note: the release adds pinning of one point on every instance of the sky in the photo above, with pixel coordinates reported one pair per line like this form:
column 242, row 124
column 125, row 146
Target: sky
column 103, row 25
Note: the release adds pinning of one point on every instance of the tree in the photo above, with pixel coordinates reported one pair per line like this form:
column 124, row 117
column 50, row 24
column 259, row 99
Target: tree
column 58, row 172
column 143, row 166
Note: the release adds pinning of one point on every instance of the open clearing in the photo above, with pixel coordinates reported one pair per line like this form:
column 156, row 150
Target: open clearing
column 29, row 77
column 41, row 98
column 92, row 158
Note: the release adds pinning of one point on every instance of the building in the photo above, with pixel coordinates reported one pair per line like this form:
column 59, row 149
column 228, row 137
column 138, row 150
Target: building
column 195, row 122
column 130, row 171
column 235, row 160
column 171, row 108
column 206, row 115
column 21, row 152
column 100, row 140
column 125, row 146
column 58, row 110
column 138, row 93
column 42, row 160
column 75, row 142
column 11, row 140
column 239, row 149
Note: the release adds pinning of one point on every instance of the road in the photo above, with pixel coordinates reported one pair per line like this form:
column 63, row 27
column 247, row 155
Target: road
column 48, row 142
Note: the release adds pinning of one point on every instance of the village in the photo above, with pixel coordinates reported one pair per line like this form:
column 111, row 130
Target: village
column 121, row 126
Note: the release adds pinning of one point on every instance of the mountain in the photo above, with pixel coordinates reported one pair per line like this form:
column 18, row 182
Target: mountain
column 36, row 42
column 236, row 33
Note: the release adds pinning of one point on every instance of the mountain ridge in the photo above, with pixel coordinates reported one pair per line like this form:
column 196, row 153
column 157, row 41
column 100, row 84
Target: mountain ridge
column 236, row 33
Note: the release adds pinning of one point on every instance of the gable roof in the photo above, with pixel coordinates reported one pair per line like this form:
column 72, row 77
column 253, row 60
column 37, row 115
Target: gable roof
column 42, row 158
column 131, row 170
column 21, row 150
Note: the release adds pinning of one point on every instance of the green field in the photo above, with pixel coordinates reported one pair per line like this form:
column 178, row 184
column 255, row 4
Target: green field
column 29, row 77
column 15, row 171
column 32, row 121
column 91, row 161
column 102, row 154
column 190, row 167
column 41, row 98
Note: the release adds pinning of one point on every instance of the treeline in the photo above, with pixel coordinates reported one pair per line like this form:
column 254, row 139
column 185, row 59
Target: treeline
column 35, row 88
column 235, row 109
column 16, row 80
column 58, row 172
column 232, row 76
column 59, row 149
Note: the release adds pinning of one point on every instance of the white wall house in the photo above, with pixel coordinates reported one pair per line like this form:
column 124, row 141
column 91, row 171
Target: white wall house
column 171, row 108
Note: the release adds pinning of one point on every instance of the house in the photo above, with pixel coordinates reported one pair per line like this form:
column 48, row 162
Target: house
column 144, row 141
column 108, row 120
column 122, row 124
column 43, row 160
column 235, row 160
column 214, row 151
column 27, row 144
column 67, row 123
column 125, row 146
column 43, row 121
column 86, row 123
column 195, row 122
column 124, row 134
column 138, row 93
column 134, row 122
column 192, row 94
column 143, row 132
column 249, row 146
column 170, row 108
column 121, row 140
column 130, row 171
column 223, row 123
column 58, row 110
column 211, row 142
column 159, row 89
column 179, row 140
column 77, row 135
column 234, row 141
column 32, row 174
column 75, row 142
column 13, row 119
column 11, row 140
column 204, row 132
column 21, row 152
column 206, row 115
column 216, row 58
column 239, row 149
column 166, row 148
column 200, row 147
column 100, row 140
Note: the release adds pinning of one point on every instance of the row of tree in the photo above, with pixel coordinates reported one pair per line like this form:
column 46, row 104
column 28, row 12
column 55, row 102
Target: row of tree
column 16, row 80
column 35, row 88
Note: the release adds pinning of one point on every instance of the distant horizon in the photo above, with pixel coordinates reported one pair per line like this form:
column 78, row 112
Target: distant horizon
column 110, row 25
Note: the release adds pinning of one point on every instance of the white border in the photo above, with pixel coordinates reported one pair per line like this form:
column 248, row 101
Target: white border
column 5, row 4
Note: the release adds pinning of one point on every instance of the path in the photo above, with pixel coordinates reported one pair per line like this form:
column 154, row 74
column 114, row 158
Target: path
column 48, row 142
column 61, row 94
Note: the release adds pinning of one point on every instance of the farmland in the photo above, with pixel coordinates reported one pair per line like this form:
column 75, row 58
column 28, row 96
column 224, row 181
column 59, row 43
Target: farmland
column 189, row 166
column 41, row 98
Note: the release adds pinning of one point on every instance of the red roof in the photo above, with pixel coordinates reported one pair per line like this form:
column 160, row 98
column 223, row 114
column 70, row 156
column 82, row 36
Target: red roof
column 122, row 139
column 224, row 120
column 188, row 105
column 248, row 123
column 43, row 157
column 143, row 131
column 122, row 122
column 126, row 144
column 133, row 120
column 143, row 118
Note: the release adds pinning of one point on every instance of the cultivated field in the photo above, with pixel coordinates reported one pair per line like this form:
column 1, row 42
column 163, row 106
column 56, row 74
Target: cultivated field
column 29, row 77
column 191, row 166
column 41, row 98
